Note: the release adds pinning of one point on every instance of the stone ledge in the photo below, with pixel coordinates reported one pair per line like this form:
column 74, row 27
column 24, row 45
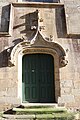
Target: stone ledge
column 58, row 116
column 37, row 4
column 19, row 116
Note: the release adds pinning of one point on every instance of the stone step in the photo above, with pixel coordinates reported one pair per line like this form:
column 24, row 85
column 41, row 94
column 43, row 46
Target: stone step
column 57, row 116
column 10, row 117
column 39, row 113
column 39, row 110
column 39, row 105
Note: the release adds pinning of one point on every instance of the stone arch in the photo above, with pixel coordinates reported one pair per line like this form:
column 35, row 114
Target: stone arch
column 39, row 45
column 39, row 42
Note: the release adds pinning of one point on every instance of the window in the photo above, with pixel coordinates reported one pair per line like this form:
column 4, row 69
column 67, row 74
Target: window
column 50, row 1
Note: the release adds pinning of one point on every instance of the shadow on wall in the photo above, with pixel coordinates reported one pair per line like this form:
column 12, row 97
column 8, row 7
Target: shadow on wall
column 29, row 22
column 3, row 59
column 60, row 22
column 5, row 17
column 29, row 27
column 5, row 54
column 16, row 41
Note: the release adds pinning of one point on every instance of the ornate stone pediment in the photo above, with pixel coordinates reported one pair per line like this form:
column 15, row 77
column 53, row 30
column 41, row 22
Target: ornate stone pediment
column 39, row 44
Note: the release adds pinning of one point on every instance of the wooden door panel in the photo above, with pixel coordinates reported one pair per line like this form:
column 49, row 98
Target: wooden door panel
column 38, row 78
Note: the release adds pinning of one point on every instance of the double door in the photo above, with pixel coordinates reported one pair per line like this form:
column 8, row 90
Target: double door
column 38, row 78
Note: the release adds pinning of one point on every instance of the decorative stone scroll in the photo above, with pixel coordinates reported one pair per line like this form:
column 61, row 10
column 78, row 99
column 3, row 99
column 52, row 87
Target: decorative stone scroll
column 63, row 61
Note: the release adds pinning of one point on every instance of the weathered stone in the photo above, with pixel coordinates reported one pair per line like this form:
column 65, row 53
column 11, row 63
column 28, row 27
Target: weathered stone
column 72, row 9
column 66, row 91
column 66, row 98
column 23, row 117
column 67, row 83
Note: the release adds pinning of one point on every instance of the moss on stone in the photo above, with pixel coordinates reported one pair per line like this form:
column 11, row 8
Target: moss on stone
column 38, row 110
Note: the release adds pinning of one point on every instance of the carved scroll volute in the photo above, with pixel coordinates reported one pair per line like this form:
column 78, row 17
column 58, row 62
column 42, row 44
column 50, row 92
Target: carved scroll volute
column 63, row 62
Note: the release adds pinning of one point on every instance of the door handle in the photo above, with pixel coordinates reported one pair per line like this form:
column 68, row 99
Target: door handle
column 33, row 71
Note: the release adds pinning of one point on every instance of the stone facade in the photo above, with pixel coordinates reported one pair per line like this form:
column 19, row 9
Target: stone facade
column 50, row 28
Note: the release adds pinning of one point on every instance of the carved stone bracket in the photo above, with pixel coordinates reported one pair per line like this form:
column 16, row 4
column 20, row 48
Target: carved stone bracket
column 63, row 61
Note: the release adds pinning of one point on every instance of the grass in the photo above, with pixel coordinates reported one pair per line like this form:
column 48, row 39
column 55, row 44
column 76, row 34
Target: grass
column 1, row 113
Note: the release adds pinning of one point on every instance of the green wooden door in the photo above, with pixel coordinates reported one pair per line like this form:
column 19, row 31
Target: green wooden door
column 38, row 78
